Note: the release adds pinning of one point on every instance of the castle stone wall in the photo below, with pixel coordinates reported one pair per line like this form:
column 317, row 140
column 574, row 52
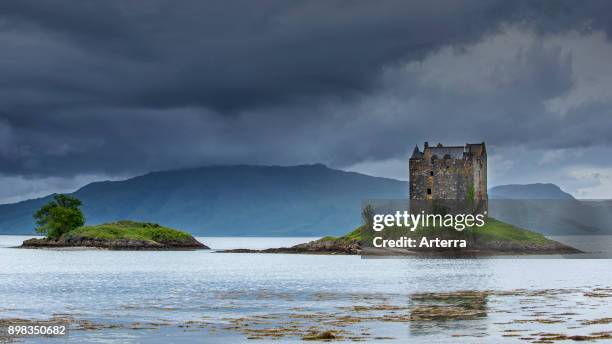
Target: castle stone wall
column 461, row 174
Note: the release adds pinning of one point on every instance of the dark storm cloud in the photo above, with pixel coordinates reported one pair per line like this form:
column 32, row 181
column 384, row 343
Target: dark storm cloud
column 232, row 55
column 119, row 87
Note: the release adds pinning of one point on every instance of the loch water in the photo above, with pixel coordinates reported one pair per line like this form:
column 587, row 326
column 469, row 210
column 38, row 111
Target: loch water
column 210, row 297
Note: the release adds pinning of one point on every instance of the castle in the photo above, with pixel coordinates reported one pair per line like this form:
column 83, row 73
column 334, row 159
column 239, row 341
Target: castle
column 449, row 173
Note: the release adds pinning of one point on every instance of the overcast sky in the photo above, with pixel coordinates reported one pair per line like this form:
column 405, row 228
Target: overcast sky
column 94, row 90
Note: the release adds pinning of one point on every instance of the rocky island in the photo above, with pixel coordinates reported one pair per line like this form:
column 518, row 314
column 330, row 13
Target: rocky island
column 495, row 238
column 121, row 235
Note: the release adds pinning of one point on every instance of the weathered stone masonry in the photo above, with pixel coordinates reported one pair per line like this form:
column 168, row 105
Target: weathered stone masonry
column 449, row 173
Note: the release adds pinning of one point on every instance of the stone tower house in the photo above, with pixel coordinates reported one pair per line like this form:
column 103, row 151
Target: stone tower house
column 449, row 173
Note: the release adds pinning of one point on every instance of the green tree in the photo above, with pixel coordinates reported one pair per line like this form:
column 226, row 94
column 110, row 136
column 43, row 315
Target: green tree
column 59, row 216
column 367, row 215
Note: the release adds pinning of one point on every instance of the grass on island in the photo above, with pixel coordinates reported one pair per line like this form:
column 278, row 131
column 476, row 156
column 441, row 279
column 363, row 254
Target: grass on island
column 130, row 230
column 354, row 235
column 493, row 230
column 498, row 230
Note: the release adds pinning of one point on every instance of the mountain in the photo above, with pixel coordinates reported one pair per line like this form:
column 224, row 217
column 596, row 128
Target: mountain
column 306, row 200
column 227, row 200
column 547, row 209
column 528, row 191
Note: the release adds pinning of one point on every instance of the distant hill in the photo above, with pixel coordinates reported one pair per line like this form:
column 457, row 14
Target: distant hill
column 547, row 209
column 306, row 200
column 528, row 191
column 227, row 200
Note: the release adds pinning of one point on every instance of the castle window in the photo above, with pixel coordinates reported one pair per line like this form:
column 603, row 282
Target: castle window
column 431, row 173
column 429, row 191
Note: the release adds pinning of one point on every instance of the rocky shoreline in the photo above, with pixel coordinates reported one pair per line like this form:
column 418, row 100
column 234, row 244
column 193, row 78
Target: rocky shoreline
column 320, row 246
column 113, row 244
column 354, row 247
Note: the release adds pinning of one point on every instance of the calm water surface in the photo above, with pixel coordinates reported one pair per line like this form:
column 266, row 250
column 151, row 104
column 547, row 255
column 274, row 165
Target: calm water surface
column 171, row 289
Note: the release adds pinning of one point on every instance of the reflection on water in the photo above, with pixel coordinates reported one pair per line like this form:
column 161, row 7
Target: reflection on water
column 190, row 295
column 438, row 310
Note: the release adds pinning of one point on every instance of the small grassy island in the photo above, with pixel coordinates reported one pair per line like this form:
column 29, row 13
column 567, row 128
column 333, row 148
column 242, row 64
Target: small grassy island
column 494, row 238
column 62, row 222
column 121, row 235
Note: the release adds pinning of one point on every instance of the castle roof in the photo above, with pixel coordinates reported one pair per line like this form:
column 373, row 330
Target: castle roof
column 416, row 153
column 476, row 148
column 452, row 152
